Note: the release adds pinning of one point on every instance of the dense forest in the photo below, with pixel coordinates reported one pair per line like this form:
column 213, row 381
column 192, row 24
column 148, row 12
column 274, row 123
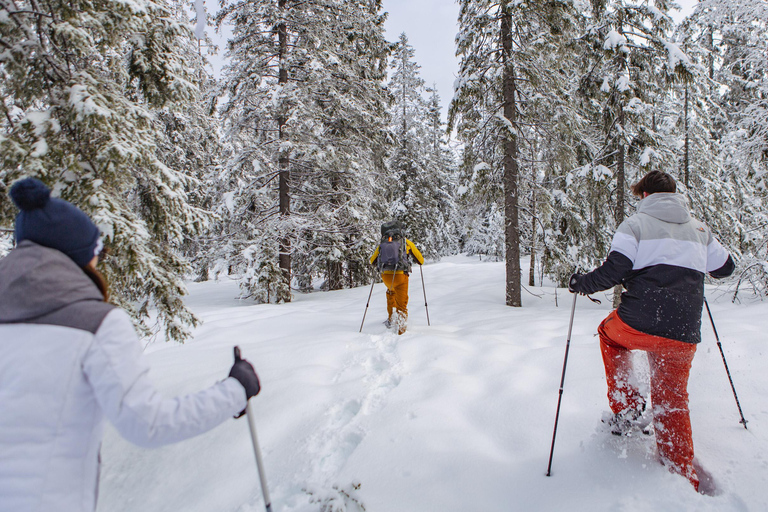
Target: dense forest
column 279, row 172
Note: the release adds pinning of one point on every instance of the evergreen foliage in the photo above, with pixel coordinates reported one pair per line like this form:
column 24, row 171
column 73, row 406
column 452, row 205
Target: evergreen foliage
column 82, row 85
column 306, row 101
column 559, row 107
column 421, row 181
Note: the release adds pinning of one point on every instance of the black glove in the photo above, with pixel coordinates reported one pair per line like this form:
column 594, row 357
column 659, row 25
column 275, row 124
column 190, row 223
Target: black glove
column 243, row 371
column 573, row 283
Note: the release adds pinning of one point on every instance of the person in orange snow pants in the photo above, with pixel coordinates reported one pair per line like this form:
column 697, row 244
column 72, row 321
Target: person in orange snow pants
column 660, row 255
column 393, row 259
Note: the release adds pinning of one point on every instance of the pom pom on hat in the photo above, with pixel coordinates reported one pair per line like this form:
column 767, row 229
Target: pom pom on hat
column 53, row 222
column 30, row 194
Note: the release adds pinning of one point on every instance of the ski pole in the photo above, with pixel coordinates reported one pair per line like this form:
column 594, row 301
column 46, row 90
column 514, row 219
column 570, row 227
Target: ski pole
column 722, row 354
column 425, row 292
column 366, row 305
column 562, row 383
column 256, row 449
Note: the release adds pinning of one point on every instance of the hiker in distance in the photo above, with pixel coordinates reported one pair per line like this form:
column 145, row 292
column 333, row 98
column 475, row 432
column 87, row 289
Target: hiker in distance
column 392, row 259
column 661, row 255
column 68, row 359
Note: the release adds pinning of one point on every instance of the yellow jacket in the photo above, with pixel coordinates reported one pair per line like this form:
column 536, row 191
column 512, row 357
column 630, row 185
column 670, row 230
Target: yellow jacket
column 410, row 248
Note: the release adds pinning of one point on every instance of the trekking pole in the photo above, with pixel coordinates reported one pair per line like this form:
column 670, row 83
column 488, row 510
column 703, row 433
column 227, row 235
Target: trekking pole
column 562, row 382
column 722, row 354
column 366, row 305
column 256, row 449
column 425, row 292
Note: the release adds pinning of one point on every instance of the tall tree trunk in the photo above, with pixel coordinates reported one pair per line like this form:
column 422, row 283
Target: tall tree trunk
column 711, row 59
column 335, row 275
column 336, row 268
column 532, row 269
column 285, row 173
column 620, row 184
column 511, row 171
column 686, row 157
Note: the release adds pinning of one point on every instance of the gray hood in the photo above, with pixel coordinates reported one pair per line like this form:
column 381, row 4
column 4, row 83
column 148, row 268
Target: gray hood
column 666, row 206
column 36, row 281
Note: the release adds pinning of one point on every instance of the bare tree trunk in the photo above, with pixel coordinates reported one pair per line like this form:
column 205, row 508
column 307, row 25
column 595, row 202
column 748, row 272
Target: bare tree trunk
column 335, row 275
column 335, row 268
column 711, row 59
column 511, row 170
column 532, row 269
column 686, row 158
column 285, row 173
column 620, row 184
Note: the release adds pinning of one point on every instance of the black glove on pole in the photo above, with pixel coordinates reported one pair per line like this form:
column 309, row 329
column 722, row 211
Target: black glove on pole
column 573, row 283
column 243, row 371
column 575, row 287
column 252, row 426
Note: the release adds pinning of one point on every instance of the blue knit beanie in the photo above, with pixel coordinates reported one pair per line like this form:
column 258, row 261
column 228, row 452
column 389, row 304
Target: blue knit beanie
column 53, row 222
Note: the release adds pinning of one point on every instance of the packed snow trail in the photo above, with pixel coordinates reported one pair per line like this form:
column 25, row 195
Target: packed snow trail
column 453, row 417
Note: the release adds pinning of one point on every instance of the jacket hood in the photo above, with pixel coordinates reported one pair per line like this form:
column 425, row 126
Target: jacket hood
column 36, row 280
column 665, row 206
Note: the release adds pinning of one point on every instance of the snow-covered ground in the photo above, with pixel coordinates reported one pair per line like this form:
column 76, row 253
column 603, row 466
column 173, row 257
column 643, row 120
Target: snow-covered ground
column 453, row 417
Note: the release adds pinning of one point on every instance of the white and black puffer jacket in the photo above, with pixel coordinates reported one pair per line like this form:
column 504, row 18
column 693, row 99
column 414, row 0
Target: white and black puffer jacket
column 661, row 255
column 67, row 361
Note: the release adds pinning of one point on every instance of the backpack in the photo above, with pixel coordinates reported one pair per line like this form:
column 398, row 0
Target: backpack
column 393, row 251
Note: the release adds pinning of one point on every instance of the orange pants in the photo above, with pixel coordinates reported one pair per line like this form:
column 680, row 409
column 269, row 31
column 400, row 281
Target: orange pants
column 397, row 298
column 670, row 364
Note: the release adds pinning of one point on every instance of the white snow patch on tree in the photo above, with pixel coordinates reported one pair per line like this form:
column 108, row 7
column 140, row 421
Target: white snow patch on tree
column 676, row 56
column 647, row 155
column 200, row 25
column 614, row 39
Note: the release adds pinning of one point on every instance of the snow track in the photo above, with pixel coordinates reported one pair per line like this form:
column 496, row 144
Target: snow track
column 345, row 426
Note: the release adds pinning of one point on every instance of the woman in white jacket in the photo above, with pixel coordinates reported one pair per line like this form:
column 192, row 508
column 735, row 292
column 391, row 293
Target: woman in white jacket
column 68, row 360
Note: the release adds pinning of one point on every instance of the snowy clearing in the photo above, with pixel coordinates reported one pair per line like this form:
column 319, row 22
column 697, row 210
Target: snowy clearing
column 453, row 417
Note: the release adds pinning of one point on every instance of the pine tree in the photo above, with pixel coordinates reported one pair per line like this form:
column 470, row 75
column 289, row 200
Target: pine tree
column 504, row 47
column 81, row 83
column 420, row 183
column 737, row 38
column 627, row 65
column 306, row 100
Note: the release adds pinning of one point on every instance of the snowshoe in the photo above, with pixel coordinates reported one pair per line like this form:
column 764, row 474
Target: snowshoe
column 630, row 422
column 387, row 323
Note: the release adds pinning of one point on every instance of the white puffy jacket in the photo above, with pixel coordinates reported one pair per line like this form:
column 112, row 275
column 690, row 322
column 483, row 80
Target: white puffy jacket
column 67, row 361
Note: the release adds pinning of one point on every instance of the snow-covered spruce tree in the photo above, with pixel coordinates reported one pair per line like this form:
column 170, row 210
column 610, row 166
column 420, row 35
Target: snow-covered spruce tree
column 306, row 100
column 80, row 82
column 442, row 169
column 343, row 163
column 627, row 66
column 419, row 185
column 694, row 123
column 504, row 47
column 740, row 71
column 192, row 145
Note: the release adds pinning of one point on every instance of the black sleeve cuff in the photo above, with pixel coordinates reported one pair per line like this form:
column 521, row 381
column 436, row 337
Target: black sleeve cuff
column 726, row 270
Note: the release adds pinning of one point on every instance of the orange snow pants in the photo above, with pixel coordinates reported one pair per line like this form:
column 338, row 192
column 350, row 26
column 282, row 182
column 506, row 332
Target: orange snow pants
column 397, row 299
column 670, row 364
